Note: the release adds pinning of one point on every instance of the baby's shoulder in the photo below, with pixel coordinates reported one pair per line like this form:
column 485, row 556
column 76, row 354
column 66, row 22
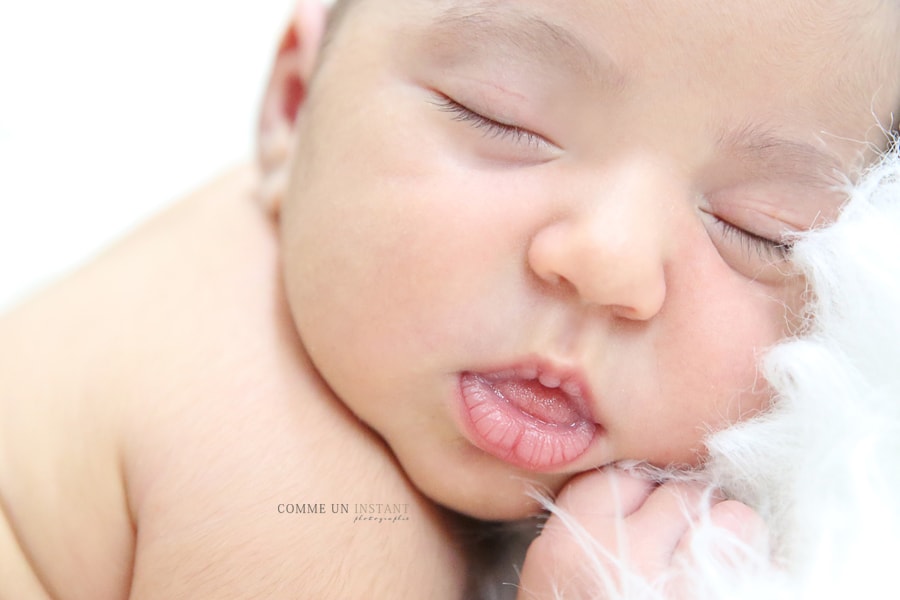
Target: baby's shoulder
column 274, row 498
column 256, row 479
column 166, row 424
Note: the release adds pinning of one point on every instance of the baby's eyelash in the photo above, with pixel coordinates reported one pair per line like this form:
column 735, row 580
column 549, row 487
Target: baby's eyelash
column 490, row 127
column 764, row 248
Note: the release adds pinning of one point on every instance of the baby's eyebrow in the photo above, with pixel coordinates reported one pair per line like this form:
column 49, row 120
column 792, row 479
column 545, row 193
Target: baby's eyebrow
column 486, row 27
column 779, row 156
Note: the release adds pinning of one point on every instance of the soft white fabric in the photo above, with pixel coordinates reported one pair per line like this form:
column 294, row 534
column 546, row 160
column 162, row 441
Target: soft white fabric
column 821, row 466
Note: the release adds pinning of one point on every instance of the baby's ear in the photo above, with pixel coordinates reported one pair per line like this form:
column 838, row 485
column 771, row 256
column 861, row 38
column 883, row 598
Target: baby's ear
column 286, row 91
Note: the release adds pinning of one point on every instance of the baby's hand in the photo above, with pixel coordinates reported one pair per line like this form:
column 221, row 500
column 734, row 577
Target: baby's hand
column 634, row 532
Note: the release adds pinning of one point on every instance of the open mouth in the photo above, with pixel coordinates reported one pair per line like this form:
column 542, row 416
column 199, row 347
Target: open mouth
column 529, row 417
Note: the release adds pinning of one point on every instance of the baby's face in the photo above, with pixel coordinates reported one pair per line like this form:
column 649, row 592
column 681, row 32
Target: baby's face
column 526, row 239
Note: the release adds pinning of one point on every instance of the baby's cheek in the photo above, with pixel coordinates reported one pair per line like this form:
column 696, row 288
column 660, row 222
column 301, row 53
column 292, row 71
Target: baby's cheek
column 708, row 363
column 727, row 380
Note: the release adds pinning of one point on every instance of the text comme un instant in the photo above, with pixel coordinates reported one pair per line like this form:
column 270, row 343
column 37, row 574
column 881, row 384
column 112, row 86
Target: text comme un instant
column 344, row 509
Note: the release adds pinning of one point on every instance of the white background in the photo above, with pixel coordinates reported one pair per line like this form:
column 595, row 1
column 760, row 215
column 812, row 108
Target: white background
column 111, row 109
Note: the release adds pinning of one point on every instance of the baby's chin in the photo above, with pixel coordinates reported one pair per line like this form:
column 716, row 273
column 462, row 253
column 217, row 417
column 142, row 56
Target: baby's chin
column 514, row 495
column 499, row 509
column 507, row 497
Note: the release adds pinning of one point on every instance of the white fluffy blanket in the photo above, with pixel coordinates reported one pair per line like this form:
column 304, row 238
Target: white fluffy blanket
column 822, row 466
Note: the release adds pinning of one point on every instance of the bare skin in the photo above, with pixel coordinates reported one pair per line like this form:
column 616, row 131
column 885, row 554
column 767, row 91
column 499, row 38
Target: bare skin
column 155, row 411
column 157, row 408
column 644, row 526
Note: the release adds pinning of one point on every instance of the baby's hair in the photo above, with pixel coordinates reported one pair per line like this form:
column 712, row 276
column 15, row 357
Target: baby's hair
column 336, row 13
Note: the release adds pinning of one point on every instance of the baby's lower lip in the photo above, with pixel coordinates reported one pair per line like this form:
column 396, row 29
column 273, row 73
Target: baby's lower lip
column 523, row 422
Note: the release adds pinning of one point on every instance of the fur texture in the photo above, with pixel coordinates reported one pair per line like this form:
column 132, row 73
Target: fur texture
column 821, row 466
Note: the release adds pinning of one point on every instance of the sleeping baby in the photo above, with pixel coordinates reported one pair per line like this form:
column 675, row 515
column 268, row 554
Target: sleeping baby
column 489, row 251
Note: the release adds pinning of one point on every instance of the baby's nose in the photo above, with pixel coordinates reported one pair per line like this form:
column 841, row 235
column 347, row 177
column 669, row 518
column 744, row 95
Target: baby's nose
column 610, row 249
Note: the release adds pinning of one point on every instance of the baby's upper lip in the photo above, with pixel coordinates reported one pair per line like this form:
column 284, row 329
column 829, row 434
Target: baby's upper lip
column 570, row 379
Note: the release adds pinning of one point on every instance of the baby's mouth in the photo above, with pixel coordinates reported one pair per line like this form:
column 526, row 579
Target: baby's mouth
column 547, row 403
column 530, row 416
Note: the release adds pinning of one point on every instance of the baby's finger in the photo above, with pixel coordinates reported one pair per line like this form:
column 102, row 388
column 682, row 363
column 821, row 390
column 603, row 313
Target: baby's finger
column 605, row 493
column 741, row 520
column 742, row 533
column 594, row 504
column 734, row 537
column 665, row 517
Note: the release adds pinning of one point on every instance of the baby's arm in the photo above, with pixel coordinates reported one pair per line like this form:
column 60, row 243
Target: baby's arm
column 635, row 533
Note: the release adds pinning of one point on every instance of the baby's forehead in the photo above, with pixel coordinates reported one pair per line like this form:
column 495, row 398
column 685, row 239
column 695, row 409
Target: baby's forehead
column 859, row 37
column 849, row 49
column 854, row 24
